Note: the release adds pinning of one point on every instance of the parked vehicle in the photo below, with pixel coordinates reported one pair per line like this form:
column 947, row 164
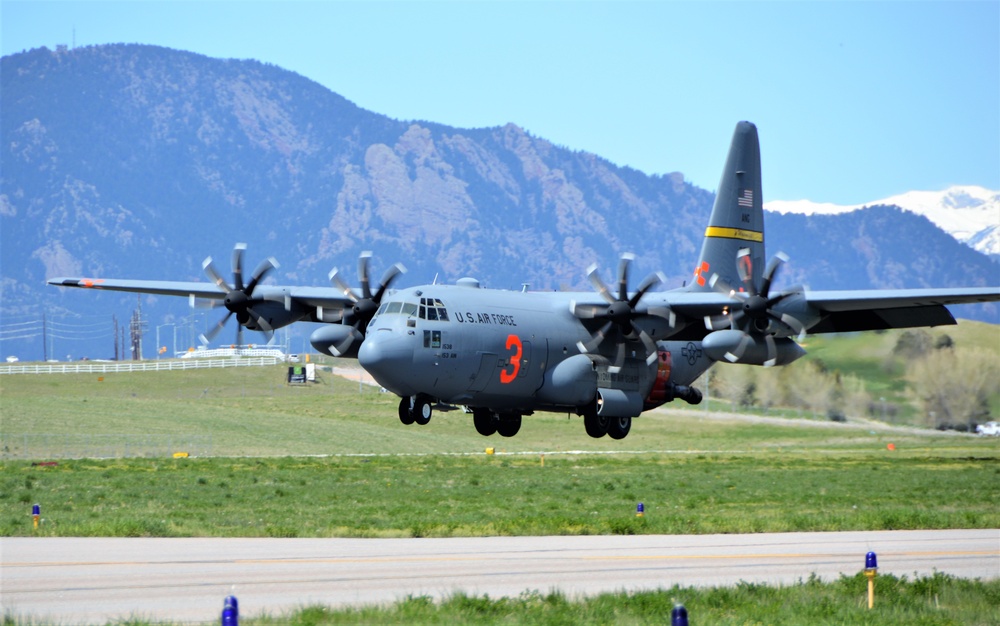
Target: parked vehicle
column 989, row 428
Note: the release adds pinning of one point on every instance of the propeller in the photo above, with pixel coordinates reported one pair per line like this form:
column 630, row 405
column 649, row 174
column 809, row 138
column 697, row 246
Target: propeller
column 366, row 306
column 620, row 312
column 239, row 298
column 753, row 308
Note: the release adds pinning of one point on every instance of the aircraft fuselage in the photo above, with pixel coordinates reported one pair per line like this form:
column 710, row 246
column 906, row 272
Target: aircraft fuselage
column 512, row 352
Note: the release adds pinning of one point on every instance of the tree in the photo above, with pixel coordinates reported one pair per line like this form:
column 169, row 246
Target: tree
column 953, row 384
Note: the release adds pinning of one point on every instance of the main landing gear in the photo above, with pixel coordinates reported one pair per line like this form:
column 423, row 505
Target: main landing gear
column 487, row 422
column 599, row 425
column 415, row 409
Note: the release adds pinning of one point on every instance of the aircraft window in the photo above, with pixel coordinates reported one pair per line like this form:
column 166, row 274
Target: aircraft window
column 433, row 309
column 381, row 309
column 394, row 307
column 409, row 309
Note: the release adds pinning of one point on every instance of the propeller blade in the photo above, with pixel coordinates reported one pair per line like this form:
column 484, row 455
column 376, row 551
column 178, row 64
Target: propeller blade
column 734, row 357
column 663, row 312
column 651, row 281
column 329, row 317
column 599, row 285
column 265, row 266
column 213, row 274
column 339, row 283
column 718, row 322
column 619, row 359
column 595, row 339
column 363, row 259
column 652, row 352
column 772, row 351
column 587, row 311
column 387, row 278
column 238, row 251
column 203, row 303
column 345, row 345
column 720, row 285
column 770, row 271
column 623, row 264
column 207, row 338
column 795, row 325
column 744, row 267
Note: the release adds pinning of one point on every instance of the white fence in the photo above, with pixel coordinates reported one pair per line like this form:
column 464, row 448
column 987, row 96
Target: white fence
column 111, row 367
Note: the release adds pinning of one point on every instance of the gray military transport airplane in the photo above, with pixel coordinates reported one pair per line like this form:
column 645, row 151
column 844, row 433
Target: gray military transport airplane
column 606, row 355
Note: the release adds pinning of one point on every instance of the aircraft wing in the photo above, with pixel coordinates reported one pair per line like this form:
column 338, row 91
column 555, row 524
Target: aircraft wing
column 306, row 297
column 839, row 311
column 159, row 287
column 879, row 309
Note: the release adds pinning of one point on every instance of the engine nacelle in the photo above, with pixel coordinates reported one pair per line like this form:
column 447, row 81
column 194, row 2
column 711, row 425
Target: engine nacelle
column 571, row 382
column 326, row 337
column 727, row 342
column 618, row 403
column 274, row 314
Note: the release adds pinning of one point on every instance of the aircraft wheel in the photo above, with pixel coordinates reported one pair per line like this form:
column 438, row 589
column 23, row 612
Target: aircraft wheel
column 619, row 427
column 596, row 425
column 422, row 411
column 509, row 425
column 405, row 415
column 485, row 424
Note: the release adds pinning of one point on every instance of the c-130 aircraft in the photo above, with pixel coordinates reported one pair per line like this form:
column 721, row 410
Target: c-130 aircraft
column 606, row 355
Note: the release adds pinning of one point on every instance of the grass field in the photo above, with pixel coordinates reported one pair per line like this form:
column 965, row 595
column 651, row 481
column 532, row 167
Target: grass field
column 372, row 476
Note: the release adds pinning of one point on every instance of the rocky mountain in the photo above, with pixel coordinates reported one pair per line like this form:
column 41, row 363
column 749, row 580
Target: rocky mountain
column 968, row 213
column 138, row 162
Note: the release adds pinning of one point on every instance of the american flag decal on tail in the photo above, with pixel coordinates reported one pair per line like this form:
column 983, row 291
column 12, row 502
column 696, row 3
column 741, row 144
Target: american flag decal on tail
column 745, row 198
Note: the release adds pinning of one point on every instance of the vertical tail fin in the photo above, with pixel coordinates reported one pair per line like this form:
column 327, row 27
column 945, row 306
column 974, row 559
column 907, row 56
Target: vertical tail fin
column 737, row 220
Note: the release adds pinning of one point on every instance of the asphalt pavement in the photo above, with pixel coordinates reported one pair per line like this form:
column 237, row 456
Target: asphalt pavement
column 96, row 580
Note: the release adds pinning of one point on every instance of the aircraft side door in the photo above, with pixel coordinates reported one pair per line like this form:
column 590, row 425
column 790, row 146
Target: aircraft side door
column 516, row 368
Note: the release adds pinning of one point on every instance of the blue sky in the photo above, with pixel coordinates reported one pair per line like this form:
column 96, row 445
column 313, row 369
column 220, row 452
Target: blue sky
column 855, row 101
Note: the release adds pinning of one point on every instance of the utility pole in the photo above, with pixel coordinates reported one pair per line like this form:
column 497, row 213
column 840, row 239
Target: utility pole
column 45, row 339
column 137, row 327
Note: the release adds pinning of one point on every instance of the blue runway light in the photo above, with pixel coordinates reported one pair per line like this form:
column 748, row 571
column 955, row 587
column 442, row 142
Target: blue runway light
column 230, row 611
column 679, row 616
column 36, row 509
column 871, row 562
column 640, row 510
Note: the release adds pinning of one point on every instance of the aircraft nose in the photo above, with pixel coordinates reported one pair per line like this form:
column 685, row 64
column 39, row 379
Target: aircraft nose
column 388, row 357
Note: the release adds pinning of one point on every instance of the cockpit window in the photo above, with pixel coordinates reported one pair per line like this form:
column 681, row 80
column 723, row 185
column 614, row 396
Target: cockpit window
column 432, row 309
column 389, row 308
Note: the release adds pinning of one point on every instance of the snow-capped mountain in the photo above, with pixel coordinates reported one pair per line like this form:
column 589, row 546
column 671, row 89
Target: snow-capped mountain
column 970, row 214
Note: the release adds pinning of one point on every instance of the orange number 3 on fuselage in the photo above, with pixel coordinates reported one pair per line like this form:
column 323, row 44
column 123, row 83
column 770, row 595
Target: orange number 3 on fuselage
column 513, row 341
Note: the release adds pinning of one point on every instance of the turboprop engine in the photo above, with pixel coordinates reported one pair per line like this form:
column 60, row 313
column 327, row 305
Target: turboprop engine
column 328, row 337
column 725, row 345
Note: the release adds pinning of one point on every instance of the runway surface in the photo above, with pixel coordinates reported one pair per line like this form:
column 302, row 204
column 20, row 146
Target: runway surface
column 92, row 581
